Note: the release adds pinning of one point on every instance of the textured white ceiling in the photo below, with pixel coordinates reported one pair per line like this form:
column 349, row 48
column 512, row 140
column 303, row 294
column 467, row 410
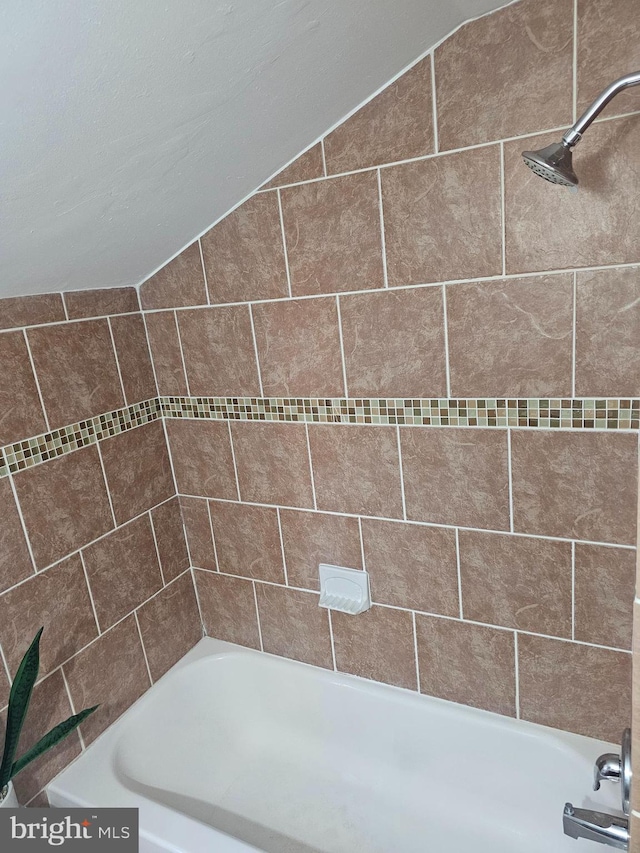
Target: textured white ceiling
column 127, row 127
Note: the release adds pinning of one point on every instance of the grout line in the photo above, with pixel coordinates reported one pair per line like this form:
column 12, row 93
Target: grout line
column 233, row 458
column 23, row 525
column 324, row 157
column 213, row 536
column 204, row 273
column 575, row 60
column 106, row 485
column 64, row 305
column 255, row 601
column 333, row 646
column 510, row 475
column 197, row 594
column 503, row 215
column 117, row 361
column 184, row 364
column 434, row 105
column 37, row 381
column 284, row 559
column 404, row 505
column 383, row 241
column 574, row 335
column 284, row 243
column 155, row 542
column 415, row 649
column 313, row 482
column 170, row 455
column 573, row 590
column 91, row 598
column 255, row 350
column 5, row 664
column 74, row 711
column 445, row 325
column 151, row 358
column 364, row 564
column 342, row 356
column 459, row 572
column 144, row 651
column 516, row 673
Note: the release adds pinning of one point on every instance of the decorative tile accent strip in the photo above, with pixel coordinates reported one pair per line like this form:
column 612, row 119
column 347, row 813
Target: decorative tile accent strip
column 542, row 413
column 32, row 451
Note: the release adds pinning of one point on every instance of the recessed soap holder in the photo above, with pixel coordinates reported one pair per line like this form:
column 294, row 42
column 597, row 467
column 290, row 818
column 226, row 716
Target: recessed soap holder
column 346, row 590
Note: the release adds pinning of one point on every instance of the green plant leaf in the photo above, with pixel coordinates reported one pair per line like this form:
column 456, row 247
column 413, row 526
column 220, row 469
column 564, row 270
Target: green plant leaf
column 55, row 736
column 19, row 699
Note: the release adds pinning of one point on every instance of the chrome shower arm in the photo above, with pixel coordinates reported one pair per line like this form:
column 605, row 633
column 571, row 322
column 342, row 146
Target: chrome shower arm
column 573, row 136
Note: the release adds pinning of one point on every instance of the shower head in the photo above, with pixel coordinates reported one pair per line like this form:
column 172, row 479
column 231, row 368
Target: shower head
column 553, row 163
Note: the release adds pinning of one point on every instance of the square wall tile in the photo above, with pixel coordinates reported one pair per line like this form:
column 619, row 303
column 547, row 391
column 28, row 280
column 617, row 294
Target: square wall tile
column 57, row 599
column 575, row 484
column 442, row 217
column 100, row 302
column 76, row 368
column 175, row 606
column 132, row 350
column 15, row 561
column 394, row 343
column 169, row 532
column 516, row 582
column 202, row 460
column 605, row 589
column 166, row 354
column 506, row 74
column 376, row 644
column 123, row 571
column 64, row 504
column 332, row 231
column 299, row 348
column 179, row 284
column 558, row 681
column 607, row 323
column 411, row 565
column 311, row 538
column 356, row 469
column 31, row 310
column 244, row 253
column 470, row 664
column 456, row 476
column 511, row 338
column 138, row 470
column 195, row 512
column 112, row 673
column 396, row 125
column 247, row 540
column 273, row 463
column 306, row 167
column 219, row 354
column 547, row 228
column 22, row 415
column 228, row 608
column 293, row 625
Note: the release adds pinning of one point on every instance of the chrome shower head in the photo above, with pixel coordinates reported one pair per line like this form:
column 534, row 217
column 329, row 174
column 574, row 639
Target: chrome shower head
column 553, row 163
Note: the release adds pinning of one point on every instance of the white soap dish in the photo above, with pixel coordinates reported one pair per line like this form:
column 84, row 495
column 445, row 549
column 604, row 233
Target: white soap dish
column 346, row 590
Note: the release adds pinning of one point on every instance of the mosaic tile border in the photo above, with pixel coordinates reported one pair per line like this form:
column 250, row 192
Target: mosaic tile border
column 540, row 413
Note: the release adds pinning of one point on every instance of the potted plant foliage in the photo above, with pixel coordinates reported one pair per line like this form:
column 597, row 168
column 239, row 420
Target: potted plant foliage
column 19, row 699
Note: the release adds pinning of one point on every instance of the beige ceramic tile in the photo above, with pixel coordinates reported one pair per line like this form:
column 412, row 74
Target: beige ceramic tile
column 333, row 237
column 132, row 350
column 411, row 566
column 604, row 592
column 195, row 512
column 356, row 469
column 511, row 338
column 516, row 582
column 506, row 74
column 558, row 682
column 244, row 253
column 311, row 538
column 15, row 562
column 470, row 664
column 376, row 644
column 548, row 227
column 442, row 217
column 304, row 168
column 100, row 302
column 394, row 343
column 396, row 125
column 456, row 476
column 293, row 625
column 22, row 414
column 299, row 348
column 273, row 463
column 218, row 351
column 247, row 540
column 201, row 453
column 575, row 484
column 166, row 354
column 31, row 310
column 169, row 532
column 178, row 284
column 228, row 608
column 607, row 323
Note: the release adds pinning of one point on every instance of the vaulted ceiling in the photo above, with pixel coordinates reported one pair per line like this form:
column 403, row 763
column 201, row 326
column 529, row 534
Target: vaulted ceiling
column 128, row 128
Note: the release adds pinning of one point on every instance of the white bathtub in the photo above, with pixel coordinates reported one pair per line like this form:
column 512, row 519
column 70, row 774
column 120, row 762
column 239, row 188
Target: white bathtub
column 237, row 751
